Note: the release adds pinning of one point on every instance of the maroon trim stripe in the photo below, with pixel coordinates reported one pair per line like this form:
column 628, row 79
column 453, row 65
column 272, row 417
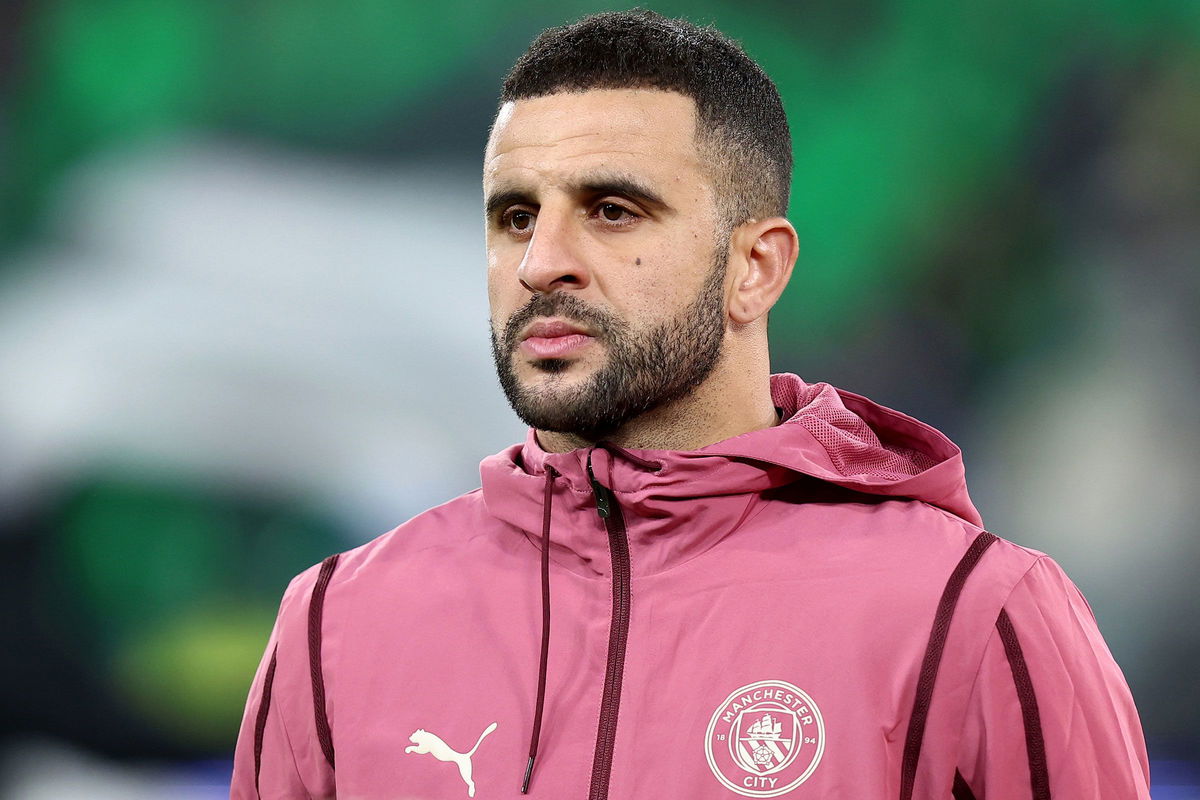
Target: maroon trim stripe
column 260, row 723
column 933, row 658
column 1035, row 745
column 316, row 608
column 961, row 790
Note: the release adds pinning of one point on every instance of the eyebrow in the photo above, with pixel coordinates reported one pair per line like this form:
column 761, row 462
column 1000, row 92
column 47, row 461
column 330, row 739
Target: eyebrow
column 504, row 199
column 624, row 185
column 599, row 183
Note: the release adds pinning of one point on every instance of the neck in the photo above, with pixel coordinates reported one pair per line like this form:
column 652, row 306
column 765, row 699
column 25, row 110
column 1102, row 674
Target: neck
column 722, row 407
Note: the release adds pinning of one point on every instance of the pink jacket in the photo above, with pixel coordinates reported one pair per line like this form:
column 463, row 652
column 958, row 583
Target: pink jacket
column 806, row 611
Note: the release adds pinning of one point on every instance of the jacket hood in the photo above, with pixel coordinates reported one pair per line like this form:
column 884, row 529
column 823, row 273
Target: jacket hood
column 835, row 436
column 849, row 441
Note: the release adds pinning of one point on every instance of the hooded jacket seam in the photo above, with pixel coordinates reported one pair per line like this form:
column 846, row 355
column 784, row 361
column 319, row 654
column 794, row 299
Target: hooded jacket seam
column 1003, row 605
column 992, row 635
column 950, row 514
column 287, row 737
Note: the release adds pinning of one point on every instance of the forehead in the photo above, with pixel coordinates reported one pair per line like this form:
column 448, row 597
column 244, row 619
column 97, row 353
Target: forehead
column 642, row 131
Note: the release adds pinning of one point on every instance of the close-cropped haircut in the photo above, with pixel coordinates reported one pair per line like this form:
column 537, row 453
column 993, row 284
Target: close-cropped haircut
column 741, row 128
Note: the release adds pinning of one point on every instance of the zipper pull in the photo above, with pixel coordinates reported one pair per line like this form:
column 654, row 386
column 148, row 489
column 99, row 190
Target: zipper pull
column 602, row 492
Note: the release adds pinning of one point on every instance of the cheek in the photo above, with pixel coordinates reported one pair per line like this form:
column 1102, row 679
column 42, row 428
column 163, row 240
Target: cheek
column 503, row 263
column 497, row 283
column 660, row 280
column 505, row 297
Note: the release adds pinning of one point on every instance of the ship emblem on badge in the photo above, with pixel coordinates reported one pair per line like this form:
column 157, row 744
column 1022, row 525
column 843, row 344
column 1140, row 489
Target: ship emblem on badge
column 765, row 739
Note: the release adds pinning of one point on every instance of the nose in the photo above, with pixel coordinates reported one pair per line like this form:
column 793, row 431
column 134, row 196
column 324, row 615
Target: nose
column 552, row 260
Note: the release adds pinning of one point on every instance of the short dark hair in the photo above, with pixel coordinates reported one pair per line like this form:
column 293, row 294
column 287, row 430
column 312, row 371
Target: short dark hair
column 740, row 122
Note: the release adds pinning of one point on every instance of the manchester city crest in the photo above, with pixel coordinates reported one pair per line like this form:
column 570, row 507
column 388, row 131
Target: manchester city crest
column 765, row 739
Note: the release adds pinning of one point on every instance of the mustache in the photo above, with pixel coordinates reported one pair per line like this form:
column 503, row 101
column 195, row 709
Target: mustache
column 558, row 304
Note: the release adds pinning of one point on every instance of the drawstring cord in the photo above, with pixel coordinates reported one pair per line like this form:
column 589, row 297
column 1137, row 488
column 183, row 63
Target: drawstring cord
column 547, row 501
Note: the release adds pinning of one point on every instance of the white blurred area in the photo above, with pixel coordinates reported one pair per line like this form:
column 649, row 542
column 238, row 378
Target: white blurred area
column 44, row 770
column 254, row 317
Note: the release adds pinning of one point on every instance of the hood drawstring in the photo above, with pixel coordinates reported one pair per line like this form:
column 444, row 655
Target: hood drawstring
column 547, row 503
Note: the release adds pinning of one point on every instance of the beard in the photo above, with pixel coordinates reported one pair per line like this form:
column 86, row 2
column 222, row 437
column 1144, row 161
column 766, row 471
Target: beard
column 645, row 369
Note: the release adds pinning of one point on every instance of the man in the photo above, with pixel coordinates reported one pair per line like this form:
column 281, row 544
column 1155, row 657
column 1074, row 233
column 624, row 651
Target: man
column 757, row 587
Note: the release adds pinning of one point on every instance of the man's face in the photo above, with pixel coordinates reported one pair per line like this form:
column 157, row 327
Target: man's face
column 606, row 257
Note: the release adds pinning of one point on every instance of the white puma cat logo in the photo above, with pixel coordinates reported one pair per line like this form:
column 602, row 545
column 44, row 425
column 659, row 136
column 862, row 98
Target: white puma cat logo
column 425, row 742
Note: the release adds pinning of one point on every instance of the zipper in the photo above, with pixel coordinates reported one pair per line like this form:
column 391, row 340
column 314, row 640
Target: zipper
column 618, row 633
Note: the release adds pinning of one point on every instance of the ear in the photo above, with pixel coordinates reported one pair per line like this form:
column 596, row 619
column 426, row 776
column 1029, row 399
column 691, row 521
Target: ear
column 762, row 253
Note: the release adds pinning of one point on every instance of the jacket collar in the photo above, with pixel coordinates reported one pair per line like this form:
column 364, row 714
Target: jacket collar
column 698, row 497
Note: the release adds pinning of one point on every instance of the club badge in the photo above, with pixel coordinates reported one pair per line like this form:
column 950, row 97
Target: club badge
column 765, row 739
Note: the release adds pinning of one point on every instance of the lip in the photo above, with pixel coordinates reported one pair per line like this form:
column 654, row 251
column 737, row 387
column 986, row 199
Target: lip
column 553, row 339
column 551, row 328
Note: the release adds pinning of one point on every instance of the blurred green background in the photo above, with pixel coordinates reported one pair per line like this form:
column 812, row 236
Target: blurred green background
column 243, row 321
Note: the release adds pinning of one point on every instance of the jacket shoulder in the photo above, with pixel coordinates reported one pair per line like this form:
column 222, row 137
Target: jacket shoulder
column 1002, row 557
column 445, row 525
column 442, row 527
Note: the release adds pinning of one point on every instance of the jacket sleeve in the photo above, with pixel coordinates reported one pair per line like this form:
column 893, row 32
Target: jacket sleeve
column 1050, row 714
column 277, row 755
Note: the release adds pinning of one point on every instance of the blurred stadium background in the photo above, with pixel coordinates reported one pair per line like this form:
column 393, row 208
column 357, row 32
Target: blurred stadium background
column 243, row 320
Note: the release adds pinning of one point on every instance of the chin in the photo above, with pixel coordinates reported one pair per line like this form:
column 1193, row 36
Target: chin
column 549, row 366
column 551, row 394
column 543, row 372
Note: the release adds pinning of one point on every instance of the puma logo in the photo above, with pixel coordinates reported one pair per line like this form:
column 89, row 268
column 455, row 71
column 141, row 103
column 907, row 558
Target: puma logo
column 425, row 742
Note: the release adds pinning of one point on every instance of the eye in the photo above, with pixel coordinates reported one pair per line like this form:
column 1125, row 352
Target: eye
column 612, row 212
column 519, row 220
